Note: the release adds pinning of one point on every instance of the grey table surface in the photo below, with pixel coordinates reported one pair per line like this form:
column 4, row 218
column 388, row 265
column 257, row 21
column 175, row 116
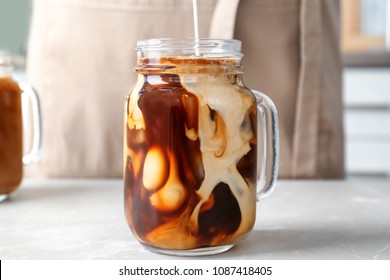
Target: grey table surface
column 304, row 220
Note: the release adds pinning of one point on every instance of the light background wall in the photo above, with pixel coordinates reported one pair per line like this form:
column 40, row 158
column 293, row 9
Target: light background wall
column 14, row 25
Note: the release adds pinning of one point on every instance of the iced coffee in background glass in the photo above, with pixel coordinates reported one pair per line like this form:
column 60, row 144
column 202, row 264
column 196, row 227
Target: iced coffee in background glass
column 198, row 143
column 11, row 128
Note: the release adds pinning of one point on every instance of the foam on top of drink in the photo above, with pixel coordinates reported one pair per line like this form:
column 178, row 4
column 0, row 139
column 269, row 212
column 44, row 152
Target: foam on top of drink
column 185, row 65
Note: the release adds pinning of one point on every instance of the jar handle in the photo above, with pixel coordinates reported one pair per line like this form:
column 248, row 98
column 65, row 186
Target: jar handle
column 268, row 137
column 33, row 155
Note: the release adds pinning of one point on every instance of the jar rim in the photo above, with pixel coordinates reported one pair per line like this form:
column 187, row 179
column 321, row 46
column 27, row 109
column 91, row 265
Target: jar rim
column 189, row 47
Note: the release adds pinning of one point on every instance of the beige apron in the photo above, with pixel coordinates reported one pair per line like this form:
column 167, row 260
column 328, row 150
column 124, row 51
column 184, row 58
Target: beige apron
column 291, row 50
column 81, row 61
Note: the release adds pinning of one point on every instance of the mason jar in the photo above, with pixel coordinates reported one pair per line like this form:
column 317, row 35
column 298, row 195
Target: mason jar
column 200, row 147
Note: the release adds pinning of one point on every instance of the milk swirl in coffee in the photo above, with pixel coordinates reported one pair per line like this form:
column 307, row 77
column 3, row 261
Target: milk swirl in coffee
column 190, row 160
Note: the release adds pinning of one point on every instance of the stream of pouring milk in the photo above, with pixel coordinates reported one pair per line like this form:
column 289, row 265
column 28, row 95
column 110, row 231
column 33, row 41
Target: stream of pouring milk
column 196, row 26
column 222, row 168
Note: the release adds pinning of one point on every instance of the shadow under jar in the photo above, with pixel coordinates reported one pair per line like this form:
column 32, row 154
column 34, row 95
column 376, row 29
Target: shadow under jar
column 191, row 158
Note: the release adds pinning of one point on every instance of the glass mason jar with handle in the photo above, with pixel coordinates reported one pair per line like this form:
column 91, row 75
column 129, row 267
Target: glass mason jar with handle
column 200, row 148
column 12, row 95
